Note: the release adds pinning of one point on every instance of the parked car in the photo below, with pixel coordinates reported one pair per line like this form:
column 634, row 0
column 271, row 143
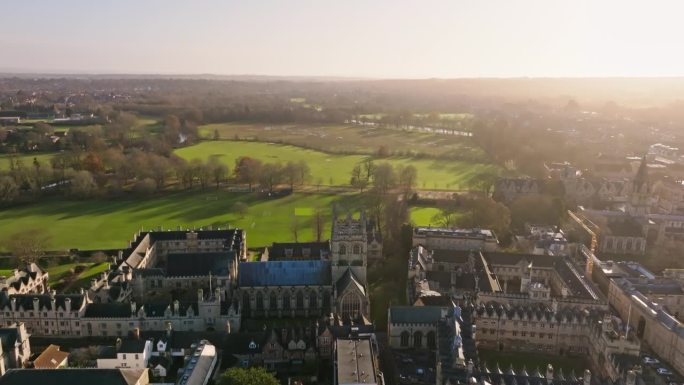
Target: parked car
column 650, row 360
column 663, row 371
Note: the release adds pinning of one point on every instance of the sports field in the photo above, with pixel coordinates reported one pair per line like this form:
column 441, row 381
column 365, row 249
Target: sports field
column 27, row 160
column 331, row 169
column 351, row 139
column 104, row 224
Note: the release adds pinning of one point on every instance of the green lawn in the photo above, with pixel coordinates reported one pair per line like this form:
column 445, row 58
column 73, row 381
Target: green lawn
column 103, row 224
column 27, row 160
column 94, row 270
column 424, row 216
column 351, row 139
column 60, row 271
column 331, row 169
column 6, row 272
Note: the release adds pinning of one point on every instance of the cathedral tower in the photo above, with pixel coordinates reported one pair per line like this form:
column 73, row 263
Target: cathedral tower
column 641, row 191
column 349, row 247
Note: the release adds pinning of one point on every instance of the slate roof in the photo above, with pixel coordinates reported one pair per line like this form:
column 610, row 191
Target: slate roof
column 8, row 338
column 348, row 278
column 149, row 272
column 539, row 311
column 23, row 277
column 44, row 301
column 284, row 273
column 626, row 228
column 132, row 346
column 315, row 250
column 72, row 376
column 415, row 314
column 450, row 256
column 108, row 310
column 198, row 264
column 434, row 300
column 233, row 236
column 500, row 258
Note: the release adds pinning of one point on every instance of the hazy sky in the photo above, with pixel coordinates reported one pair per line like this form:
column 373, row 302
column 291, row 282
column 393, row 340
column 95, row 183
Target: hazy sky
column 384, row 38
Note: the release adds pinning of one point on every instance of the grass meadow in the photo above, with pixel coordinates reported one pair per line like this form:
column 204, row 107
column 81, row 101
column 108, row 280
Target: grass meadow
column 350, row 139
column 27, row 160
column 332, row 169
column 424, row 216
column 105, row 224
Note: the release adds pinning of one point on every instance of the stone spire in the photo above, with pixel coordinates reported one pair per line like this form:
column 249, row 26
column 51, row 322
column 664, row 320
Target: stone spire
column 641, row 190
column 641, row 177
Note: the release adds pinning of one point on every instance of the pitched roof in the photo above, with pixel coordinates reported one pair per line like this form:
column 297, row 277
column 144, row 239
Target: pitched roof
column 415, row 314
column 348, row 278
column 25, row 301
column 72, row 376
column 50, row 358
column 108, row 310
column 308, row 250
column 198, row 264
column 8, row 338
column 284, row 273
column 434, row 300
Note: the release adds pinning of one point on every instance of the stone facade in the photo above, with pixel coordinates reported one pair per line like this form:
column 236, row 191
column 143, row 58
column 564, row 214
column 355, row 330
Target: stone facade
column 15, row 349
column 31, row 279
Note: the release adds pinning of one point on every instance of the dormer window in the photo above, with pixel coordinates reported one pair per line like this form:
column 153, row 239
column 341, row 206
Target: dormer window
column 288, row 253
column 306, row 252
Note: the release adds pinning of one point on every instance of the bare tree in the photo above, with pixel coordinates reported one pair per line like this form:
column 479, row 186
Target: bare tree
column 384, row 178
column 9, row 190
column 408, row 177
column 271, row 174
column 219, row 171
column 358, row 180
column 28, row 245
column 294, row 226
column 248, row 170
column 241, row 208
column 83, row 184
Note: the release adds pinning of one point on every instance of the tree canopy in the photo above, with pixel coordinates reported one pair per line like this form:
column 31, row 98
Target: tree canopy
column 249, row 376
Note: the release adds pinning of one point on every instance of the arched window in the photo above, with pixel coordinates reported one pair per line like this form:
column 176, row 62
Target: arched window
column 432, row 344
column 357, row 249
column 259, row 301
column 405, row 338
column 417, row 339
column 273, row 301
column 351, row 306
column 245, row 301
column 286, row 300
column 313, row 300
column 343, row 249
column 300, row 300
